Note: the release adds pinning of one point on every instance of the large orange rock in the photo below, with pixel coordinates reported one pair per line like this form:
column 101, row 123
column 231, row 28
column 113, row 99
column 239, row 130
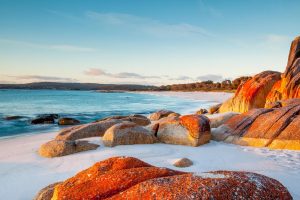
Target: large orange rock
column 276, row 128
column 192, row 130
column 252, row 93
column 289, row 85
column 130, row 178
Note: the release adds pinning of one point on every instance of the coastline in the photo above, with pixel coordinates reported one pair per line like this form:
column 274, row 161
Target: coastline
column 21, row 164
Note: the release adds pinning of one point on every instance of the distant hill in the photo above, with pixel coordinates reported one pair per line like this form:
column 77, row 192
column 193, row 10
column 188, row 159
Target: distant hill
column 78, row 86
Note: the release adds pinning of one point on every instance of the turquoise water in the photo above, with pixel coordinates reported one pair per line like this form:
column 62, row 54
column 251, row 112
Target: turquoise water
column 85, row 106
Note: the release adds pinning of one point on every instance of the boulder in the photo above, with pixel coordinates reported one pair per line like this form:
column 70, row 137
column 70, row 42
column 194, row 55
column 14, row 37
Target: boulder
column 174, row 115
column 127, row 133
column 201, row 111
column 252, row 93
column 131, row 178
column 160, row 114
column 214, row 109
column 68, row 121
column 45, row 119
column 135, row 118
column 276, row 128
column 86, row 130
column 183, row 162
column 289, row 85
column 192, row 130
column 57, row 148
column 46, row 193
column 217, row 120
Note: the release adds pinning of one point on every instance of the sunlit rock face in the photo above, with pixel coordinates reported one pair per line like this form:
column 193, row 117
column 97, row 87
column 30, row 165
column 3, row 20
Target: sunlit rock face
column 276, row 128
column 130, row 178
column 289, row 85
column 251, row 94
column 268, row 87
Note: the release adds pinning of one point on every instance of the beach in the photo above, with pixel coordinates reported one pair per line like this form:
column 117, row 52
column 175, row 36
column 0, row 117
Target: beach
column 24, row 171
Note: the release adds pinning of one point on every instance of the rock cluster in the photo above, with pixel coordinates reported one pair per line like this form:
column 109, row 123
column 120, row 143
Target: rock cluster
column 268, row 87
column 131, row 178
column 276, row 128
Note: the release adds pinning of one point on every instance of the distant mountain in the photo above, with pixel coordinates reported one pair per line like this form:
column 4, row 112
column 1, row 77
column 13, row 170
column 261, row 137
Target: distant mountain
column 78, row 86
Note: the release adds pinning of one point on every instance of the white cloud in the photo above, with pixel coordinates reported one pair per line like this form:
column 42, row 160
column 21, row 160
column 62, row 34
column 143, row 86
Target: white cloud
column 211, row 77
column 43, row 78
column 100, row 72
column 58, row 47
column 147, row 25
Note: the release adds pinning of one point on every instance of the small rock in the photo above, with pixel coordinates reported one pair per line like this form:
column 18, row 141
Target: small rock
column 45, row 119
column 13, row 117
column 68, row 121
column 214, row 109
column 47, row 192
column 160, row 114
column 201, row 111
column 174, row 115
column 183, row 162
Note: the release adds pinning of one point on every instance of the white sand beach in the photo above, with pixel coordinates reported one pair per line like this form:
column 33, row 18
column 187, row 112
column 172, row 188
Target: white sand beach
column 23, row 172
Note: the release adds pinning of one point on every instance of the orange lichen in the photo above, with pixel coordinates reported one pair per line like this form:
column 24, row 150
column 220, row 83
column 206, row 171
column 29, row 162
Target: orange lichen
column 196, row 124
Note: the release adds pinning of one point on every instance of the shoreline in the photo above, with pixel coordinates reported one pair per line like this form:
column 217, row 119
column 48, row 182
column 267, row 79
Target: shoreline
column 20, row 162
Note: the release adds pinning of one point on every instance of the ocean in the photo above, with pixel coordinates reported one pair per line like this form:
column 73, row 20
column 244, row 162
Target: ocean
column 86, row 106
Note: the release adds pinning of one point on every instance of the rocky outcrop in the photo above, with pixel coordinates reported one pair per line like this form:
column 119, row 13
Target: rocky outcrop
column 160, row 114
column 86, row 130
column 68, row 121
column 127, row 133
column 252, row 93
column 183, row 162
column 135, row 118
column 45, row 119
column 268, row 87
column 46, row 193
column 289, row 85
column 217, row 120
column 192, row 130
column 131, row 178
column 276, row 128
column 57, row 148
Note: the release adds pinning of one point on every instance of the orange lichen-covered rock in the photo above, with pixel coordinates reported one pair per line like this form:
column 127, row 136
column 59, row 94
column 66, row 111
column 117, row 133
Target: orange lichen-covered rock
column 252, row 93
column 210, row 185
column 109, row 178
column 192, row 130
column 276, row 128
column 130, row 178
column 289, row 85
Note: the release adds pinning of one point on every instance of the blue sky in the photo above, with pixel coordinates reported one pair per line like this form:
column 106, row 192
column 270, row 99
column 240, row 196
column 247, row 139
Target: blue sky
column 144, row 42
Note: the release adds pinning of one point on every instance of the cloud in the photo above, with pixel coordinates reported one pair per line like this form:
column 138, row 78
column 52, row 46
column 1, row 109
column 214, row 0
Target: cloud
column 147, row 25
column 181, row 78
column 57, row 47
column 211, row 77
column 44, row 78
column 100, row 72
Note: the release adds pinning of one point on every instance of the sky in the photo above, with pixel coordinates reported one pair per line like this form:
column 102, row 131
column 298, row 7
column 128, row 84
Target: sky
column 143, row 41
